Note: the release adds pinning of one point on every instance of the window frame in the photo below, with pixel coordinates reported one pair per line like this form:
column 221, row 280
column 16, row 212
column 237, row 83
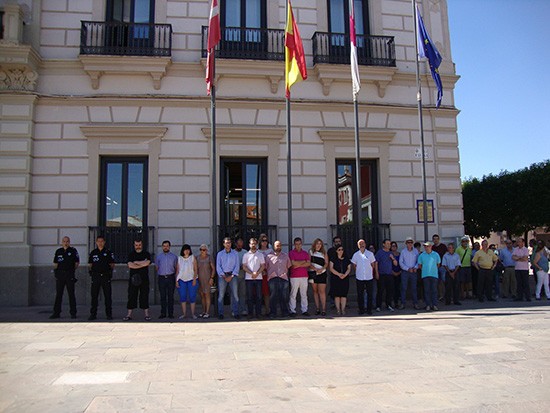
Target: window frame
column 263, row 165
column 373, row 164
column 364, row 17
column 125, row 161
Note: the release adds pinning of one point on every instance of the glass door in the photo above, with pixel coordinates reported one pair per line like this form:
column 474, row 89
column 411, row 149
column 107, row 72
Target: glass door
column 244, row 193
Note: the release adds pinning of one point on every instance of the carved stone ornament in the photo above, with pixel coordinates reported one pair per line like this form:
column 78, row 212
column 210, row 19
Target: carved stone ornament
column 17, row 78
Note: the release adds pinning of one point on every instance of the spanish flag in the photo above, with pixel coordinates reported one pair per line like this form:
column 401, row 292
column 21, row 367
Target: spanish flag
column 295, row 59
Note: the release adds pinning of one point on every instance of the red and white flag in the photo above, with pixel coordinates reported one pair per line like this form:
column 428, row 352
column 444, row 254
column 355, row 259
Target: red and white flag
column 353, row 50
column 213, row 40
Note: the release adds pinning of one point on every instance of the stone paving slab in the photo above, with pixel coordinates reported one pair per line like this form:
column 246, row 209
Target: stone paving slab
column 494, row 359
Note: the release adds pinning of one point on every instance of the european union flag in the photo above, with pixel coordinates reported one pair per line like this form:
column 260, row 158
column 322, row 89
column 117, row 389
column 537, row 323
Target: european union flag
column 427, row 49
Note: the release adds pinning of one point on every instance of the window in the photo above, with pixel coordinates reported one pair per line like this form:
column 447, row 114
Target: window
column 338, row 24
column 123, row 193
column 138, row 16
column 346, row 192
column 244, row 192
column 241, row 17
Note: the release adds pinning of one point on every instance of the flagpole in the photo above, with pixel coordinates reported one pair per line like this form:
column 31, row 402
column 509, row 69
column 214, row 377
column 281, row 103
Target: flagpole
column 288, row 173
column 214, row 156
column 421, row 127
column 359, row 214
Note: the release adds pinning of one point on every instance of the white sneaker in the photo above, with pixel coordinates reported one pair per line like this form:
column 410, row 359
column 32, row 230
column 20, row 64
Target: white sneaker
column 428, row 308
column 378, row 309
column 435, row 308
column 390, row 308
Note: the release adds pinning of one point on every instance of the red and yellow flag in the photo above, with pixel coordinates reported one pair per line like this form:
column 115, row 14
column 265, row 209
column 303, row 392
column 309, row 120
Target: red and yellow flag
column 295, row 58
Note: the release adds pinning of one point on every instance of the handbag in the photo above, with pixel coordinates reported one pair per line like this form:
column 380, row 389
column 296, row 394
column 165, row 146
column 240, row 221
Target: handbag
column 135, row 280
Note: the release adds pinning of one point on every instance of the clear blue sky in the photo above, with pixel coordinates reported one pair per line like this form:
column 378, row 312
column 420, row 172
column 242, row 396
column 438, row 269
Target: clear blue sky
column 501, row 49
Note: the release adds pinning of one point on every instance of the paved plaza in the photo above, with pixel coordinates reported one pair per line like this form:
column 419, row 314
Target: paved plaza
column 490, row 359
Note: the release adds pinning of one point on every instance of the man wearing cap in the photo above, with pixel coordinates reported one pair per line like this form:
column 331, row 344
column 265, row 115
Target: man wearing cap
column 408, row 261
column 509, row 274
column 485, row 260
column 429, row 262
column 465, row 275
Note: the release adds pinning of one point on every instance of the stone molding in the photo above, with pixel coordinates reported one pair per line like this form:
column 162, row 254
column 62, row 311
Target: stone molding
column 271, row 71
column 18, row 67
column 97, row 66
column 327, row 73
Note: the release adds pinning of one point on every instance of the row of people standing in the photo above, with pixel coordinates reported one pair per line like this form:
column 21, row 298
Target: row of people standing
column 257, row 277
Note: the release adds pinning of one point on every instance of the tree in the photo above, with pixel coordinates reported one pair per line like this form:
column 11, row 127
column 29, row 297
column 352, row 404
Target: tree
column 515, row 202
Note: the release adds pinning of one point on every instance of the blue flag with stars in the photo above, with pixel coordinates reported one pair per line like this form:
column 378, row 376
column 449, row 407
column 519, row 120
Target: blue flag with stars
column 427, row 49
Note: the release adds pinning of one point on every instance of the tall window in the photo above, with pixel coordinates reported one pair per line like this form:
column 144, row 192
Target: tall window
column 238, row 15
column 347, row 200
column 244, row 192
column 139, row 13
column 338, row 21
column 123, row 192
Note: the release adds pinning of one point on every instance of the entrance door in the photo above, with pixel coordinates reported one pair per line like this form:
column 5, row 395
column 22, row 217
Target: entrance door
column 244, row 195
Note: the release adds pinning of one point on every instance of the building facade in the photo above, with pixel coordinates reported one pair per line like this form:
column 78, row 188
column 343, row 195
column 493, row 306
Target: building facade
column 106, row 129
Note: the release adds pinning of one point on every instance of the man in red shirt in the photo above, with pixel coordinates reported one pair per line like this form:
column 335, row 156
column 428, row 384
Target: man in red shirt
column 298, row 277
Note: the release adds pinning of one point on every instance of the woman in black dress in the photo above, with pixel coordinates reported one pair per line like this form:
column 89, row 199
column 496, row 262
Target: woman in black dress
column 340, row 267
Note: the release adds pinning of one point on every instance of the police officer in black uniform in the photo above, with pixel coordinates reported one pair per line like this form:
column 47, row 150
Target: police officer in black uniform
column 65, row 262
column 101, row 263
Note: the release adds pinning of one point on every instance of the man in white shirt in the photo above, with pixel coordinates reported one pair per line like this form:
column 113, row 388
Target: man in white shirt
column 253, row 264
column 366, row 270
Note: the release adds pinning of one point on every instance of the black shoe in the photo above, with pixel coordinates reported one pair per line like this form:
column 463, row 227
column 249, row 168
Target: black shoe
column 73, row 316
column 171, row 316
column 318, row 312
column 491, row 299
column 369, row 312
column 109, row 317
column 361, row 312
column 220, row 317
column 458, row 303
column 162, row 316
column 528, row 299
column 237, row 317
column 92, row 317
column 54, row 316
column 305, row 314
column 481, row 300
column 518, row 299
column 292, row 314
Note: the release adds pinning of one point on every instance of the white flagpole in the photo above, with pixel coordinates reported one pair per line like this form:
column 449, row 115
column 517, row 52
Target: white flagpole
column 420, row 126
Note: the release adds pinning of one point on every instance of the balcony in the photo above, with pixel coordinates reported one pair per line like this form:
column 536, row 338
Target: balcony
column 248, row 43
column 120, row 241
column 125, row 39
column 371, row 50
column 372, row 234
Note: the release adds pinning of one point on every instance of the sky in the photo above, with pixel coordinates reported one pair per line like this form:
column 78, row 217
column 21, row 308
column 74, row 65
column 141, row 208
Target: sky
column 501, row 49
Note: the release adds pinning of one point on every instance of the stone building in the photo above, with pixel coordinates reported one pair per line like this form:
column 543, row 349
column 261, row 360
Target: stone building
column 105, row 128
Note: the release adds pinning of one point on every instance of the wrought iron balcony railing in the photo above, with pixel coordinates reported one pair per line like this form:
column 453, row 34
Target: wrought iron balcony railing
column 120, row 240
column 248, row 43
column 371, row 50
column 373, row 234
column 125, row 39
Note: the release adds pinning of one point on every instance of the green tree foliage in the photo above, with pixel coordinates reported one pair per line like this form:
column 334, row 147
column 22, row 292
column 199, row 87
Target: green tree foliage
column 515, row 202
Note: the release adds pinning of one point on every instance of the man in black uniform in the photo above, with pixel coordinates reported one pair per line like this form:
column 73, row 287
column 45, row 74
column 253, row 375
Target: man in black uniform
column 65, row 262
column 138, row 284
column 101, row 263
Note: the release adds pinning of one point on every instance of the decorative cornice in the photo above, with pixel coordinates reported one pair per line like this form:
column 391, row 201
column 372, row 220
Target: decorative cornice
column 246, row 133
column 271, row 71
column 96, row 66
column 18, row 67
column 123, row 131
column 379, row 75
column 367, row 135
